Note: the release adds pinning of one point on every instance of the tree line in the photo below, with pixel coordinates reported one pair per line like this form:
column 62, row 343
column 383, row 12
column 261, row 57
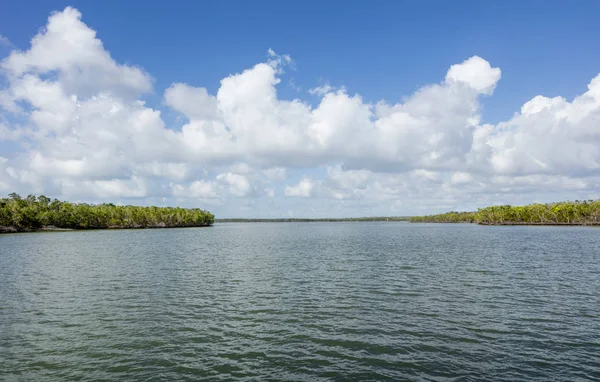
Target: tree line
column 309, row 220
column 34, row 213
column 585, row 212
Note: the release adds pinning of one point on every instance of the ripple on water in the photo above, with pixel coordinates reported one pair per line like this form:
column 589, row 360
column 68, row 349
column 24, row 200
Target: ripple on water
column 322, row 301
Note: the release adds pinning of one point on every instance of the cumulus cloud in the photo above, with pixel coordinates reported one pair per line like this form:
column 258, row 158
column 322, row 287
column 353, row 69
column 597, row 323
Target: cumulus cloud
column 476, row 73
column 304, row 189
column 70, row 48
column 195, row 103
column 82, row 130
column 550, row 136
column 238, row 184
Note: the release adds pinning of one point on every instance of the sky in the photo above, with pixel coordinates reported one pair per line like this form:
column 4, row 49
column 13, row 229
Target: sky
column 301, row 109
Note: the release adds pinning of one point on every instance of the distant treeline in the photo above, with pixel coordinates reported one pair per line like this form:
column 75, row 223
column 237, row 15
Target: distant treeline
column 302, row 220
column 562, row 213
column 448, row 217
column 36, row 213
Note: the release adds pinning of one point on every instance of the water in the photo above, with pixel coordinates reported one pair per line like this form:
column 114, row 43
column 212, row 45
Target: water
column 302, row 301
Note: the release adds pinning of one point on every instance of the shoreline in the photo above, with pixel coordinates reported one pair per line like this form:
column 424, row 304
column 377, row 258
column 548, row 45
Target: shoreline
column 367, row 220
column 7, row 230
column 324, row 220
column 550, row 224
column 589, row 224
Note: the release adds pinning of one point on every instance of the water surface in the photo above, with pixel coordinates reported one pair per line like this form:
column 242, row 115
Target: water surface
column 302, row 301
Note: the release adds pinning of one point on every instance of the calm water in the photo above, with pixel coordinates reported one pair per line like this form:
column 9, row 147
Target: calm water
column 302, row 301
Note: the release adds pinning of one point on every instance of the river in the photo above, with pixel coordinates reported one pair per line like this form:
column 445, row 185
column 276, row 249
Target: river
column 359, row 301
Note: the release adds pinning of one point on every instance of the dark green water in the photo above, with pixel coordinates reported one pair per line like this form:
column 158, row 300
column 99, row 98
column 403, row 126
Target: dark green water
column 302, row 301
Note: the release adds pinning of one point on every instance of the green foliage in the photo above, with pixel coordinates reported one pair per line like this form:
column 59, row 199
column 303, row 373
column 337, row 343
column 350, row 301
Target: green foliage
column 33, row 213
column 576, row 213
column 449, row 217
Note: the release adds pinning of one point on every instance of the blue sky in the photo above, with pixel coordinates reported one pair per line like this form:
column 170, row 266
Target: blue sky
column 387, row 52
column 384, row 51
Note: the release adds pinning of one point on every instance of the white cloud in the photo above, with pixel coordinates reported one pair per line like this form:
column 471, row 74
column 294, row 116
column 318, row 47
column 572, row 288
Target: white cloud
column 203, row 189
column 304, row 189
column 476, row 73
column 321, row 90
column 82, row 131
column 195, row 103
column 71, row 48
column 276, row 61
column 196, row 189
column 134, row 187
column 172, row 171
column 461, row 178
column 550, row 136
column 238, row 184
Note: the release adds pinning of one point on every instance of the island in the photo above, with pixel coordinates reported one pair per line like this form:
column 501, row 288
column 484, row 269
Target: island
column 33, row 213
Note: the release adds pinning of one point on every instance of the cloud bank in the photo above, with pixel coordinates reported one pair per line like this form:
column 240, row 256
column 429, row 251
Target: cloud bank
column 73, row 124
